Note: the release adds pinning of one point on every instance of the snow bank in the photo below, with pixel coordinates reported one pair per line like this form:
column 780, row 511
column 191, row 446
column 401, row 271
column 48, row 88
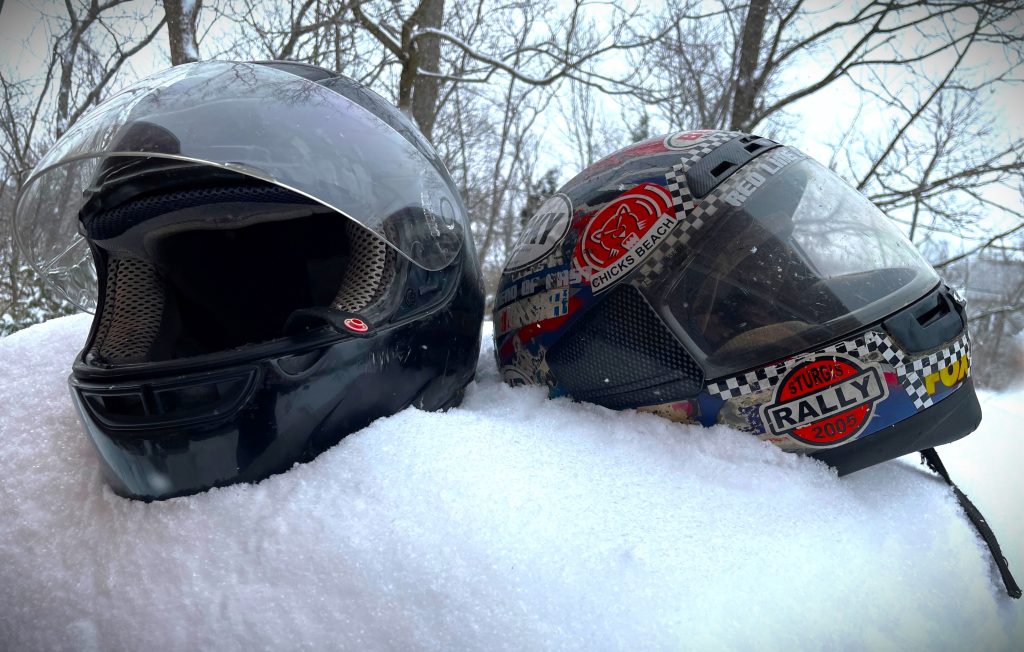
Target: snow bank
column 514, row 522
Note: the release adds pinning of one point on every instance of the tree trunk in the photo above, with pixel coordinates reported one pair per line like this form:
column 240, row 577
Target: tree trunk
column 67, row 66
column 746, row 90
column 417, row 94
column 181, row 29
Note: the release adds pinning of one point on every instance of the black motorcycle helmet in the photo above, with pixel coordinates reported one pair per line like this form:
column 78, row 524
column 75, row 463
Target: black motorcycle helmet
column 276, row 257
column 719, row 277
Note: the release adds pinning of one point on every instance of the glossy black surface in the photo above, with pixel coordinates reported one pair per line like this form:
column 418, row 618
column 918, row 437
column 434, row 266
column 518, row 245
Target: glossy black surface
column 287, row 377
column 928, row 323
column 952, row 418
column 295, row 406
column 705, row 175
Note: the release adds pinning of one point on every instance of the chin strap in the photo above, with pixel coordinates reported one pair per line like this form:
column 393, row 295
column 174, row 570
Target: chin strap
column 931, row 458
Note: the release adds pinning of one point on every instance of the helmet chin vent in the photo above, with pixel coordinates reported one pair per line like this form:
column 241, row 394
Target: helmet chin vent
column 620, row 355
column 155, row 406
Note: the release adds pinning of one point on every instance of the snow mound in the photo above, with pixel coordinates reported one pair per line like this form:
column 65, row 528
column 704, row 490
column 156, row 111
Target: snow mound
column 513, row 522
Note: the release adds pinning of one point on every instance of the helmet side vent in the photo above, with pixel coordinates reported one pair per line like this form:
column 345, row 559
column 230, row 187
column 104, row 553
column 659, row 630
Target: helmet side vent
column 927, row 324
column 721, row 163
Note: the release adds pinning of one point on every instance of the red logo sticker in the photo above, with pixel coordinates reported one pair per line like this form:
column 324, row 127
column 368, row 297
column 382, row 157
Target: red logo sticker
column 355, row 324
column 623, row 233
column 825, row 401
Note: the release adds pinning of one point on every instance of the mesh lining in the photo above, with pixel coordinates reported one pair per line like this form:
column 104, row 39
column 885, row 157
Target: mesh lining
column 118, row 220
column 133, row 307
column 620, row 355
column 369, row 272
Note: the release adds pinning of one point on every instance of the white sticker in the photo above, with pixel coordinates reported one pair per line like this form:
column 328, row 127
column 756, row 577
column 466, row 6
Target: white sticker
column 531, row 310
column 541, row 234
column 685, row 139
column 825, row 400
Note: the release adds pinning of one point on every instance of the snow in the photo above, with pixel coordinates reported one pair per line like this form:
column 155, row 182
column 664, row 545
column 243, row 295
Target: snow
column 513, row 522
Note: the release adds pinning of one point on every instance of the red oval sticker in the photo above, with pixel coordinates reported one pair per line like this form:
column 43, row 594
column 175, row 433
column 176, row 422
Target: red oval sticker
column 623, row 233
column 825, row 401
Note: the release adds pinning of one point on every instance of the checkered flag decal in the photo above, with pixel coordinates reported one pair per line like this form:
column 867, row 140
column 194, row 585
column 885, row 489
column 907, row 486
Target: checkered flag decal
column 768, row 377
column 912, row 376
column 911, row 373
column 750, row 382
column 692, row 216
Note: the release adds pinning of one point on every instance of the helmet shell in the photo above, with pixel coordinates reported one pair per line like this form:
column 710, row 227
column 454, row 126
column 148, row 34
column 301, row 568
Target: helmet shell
column 718, row 277
column 276, row 256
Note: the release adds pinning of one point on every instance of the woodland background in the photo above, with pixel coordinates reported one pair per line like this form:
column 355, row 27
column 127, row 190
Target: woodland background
column 915, row 103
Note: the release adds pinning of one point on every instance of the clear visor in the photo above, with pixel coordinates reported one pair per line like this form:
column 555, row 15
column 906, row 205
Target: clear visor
column 804, row 260
column 252, row 120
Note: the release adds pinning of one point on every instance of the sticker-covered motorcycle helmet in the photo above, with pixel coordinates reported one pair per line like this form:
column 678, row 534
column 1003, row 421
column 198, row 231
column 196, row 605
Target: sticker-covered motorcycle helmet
column 275, row 256
column 717, row 277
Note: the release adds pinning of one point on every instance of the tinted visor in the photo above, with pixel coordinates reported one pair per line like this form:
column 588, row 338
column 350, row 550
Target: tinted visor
column 257, row 121
column 806, row 259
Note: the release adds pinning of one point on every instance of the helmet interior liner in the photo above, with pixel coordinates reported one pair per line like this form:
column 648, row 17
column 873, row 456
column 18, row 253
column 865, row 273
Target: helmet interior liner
column 195, row 289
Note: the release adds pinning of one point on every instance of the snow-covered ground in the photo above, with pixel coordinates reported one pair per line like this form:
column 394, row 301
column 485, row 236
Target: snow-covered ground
column 513, row 522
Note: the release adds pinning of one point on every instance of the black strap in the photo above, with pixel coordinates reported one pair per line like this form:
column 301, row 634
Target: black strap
column 931, row 458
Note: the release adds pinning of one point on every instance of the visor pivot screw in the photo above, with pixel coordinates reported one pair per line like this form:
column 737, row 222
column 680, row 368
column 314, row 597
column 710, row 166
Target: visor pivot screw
column 356, row 325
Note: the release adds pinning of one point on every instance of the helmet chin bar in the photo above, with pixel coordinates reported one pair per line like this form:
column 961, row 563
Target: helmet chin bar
column 167, row 434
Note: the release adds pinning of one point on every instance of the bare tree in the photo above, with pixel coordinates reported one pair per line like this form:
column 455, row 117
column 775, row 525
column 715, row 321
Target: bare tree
column 590, row 127
column 181, row 17
column 747, row 82
column 483, row 71
column 91, row 43
column 431, row 46
column 84, row 73
column 501, row 89
column 993, row 281
column 934, row 157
